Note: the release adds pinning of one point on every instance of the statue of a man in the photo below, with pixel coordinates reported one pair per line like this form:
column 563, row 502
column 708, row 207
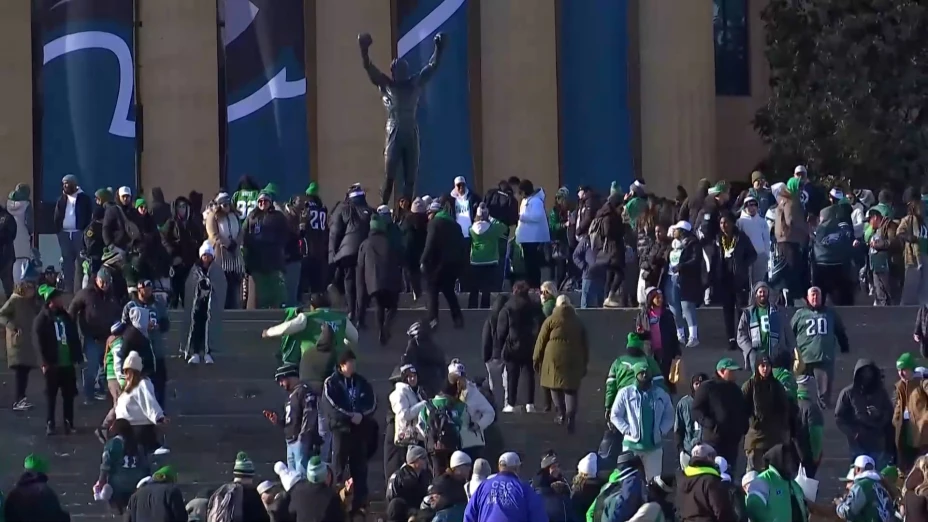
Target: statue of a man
column 401, row 98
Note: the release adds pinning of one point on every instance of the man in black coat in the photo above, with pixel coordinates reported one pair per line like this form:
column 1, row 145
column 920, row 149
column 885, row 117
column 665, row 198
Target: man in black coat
column 444, row 255
column 313, row 499
column 160, row 500
column 32, row 499
column 118, row 219
column 502, row 205
column 72, row 215
column 379, row 277
column 516, row 330
column 182, row 237
column 160, row 211
column 350, row 226
column 721, row 411
column 95, row 309
column 266, row 234
column 56, row 337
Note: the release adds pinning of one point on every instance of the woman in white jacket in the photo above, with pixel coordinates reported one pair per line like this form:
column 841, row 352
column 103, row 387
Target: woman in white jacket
column 406, row 401
column 138, row 405
column 532, row 232
column 755, row 227
column 479, row 412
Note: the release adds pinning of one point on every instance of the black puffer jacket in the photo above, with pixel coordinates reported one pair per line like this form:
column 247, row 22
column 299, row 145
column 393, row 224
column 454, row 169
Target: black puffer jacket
column 95, row 311
column 653, row 263
column 315, row 503
column 350, row 225
column 414, row 228
column 115, row 222
column 444, row 251
column 183, row 236
column 492, row 349
column 429, row 361
column 157, row 502
column 266, row 236
column 702, row 496
column 378, row 263
column 613, row 230
column 517, row 327
column 502, row 205
column 32, row 500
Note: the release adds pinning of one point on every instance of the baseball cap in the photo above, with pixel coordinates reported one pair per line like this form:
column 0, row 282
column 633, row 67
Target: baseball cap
column 510, row 459
column 124, row 191
column 727, row 364
column 703, row 451
column 460, row 180
column 750, row 199
column 800, row 169
column 864, row 461
column 756, row 176
column 264, row 487
column 685, row 225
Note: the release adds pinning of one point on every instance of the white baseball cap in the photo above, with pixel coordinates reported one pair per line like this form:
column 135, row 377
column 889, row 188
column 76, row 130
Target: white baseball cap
column 124, row 191
column 460, row 180
column 510, row 459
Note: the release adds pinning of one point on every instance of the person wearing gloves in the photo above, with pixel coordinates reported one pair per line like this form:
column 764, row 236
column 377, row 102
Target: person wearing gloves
column 686, row 431
column 910, row 413
column 124, row 464
column 16, row 316
column 406, row 402
column 768, row 409
column 71, row 216
column 864, row 413
column 867, row 498
column 515, row 501
column 266, row 235
column 643, row 414
column 153, row 321
column 811, row 421
column 300, row 330
column 818, row 330
column 20, row 207
column 313, row 498
column 56, row 336
column 225, row 233
column 204, row 301
column 94, row 309
column 718, row 408
column 348, row 408
column 479, row 412
column 553, row 489
column 532, row 231
column 300, row 420
column 157, row 498
column 481, row 472
column 751, row 221
column 763, row 330
column 411, row 481
column 138, row 405
column 486, row 234
column 31, row 498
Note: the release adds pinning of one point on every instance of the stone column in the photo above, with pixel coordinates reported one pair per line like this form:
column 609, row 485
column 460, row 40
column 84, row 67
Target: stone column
column 15, row 95
column 677, row 89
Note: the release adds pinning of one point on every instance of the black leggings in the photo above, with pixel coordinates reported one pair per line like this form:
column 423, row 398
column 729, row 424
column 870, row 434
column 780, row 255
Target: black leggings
column 22, row 381
column 615, row 278
column 61, row 379
column 442, row 284
column 384, row 307
column 513, row 372
column 733, row 301
column 533, row 257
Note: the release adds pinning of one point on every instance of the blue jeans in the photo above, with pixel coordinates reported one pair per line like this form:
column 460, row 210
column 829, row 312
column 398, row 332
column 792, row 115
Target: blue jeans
column 90, row 373
column 326, row 452
column 297, row 457
column 591, row 293
column 684, row 312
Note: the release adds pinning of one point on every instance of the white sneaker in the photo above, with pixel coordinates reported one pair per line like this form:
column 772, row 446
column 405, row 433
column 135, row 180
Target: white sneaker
column 694, row 342
column 208, row 359
column 508, row 409
column 162, row 451
column 194, row 359
column 529, row 408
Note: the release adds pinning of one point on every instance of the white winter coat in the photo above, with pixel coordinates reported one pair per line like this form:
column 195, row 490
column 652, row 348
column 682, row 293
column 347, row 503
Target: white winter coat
column 406, row 405
column 533, row 222
column 480, row 415
column 139, row 406
column 757, row 229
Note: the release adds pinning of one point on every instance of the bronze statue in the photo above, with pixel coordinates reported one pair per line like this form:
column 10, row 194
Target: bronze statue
column 401, row 98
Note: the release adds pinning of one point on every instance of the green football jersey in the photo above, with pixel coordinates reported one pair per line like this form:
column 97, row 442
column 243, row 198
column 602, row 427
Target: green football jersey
column 307, row 339
column 245, row 201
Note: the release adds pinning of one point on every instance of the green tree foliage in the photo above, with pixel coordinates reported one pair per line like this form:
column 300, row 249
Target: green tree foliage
column 849, row 85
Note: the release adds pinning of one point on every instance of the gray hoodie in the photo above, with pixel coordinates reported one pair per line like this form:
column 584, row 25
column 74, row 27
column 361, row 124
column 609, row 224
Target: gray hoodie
column 780, row 342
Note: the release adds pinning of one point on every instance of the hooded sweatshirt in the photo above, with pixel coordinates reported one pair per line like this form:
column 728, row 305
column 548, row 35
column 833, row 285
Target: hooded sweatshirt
column 464, row 209
column 757, row 230
column 775, row 496
column 484, row 241
column 867, row 500
column 769, row 410
column 533, row 222
column 864, row 411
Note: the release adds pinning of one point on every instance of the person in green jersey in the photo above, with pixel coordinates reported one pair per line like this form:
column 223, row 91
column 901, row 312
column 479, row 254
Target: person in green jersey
column 123, row 465
column 775, row 496
column 245, row 198
column 114, row 385
column 636, row 201
column 818, row 331
column 59, row 344
column 867, row 499
column 300, row 329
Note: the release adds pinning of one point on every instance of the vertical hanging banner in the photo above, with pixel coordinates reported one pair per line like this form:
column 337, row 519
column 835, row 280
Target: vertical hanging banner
column 265, row 82
column 444, row 107
column 86, row 78
column 595, row 117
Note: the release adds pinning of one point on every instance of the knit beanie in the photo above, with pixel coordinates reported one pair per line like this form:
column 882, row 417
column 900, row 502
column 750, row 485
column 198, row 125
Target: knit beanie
column 104, row 195
column 270, row 189
column 165, row 474
column 418, row 206
column 906, row 362
column 316, row 470
column 634, row 341
column 793, row 186
column 35, row 463
column 140, row 202
column 244, row 467
column 47, row 292
column 20, row 193
column 312, row 189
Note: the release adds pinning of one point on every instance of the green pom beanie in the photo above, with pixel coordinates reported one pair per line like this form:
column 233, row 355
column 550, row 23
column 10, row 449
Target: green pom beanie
column 634, row 341
column 312, row 189
column 793, row 186
column 244, row 467
column 906, row 361
column 35, row 463
column 140, row 203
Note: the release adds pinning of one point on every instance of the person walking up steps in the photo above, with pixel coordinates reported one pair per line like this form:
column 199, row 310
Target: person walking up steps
column 55, row 334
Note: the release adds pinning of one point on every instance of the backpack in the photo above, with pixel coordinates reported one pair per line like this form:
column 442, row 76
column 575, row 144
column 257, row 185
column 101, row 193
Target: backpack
column 602, row 249
column 619, row 501
column 225, row 504
column 442, row 432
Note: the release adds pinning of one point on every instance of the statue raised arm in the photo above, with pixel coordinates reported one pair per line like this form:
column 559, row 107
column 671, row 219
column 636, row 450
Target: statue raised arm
column 400, row 94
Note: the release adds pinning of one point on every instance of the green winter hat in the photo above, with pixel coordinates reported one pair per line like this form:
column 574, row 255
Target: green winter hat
column 270, row 188
column 793, row 186
column 244, row 467
column 890, row 473
column 104, row 194
column 47, row 292
column 20, row 193
column 640, row 367
column 787, row 380
column 312, row 189
column 719, row 188
column 35, row 463
column 140, row 203
column 316, row 470
column 634, row 341
column 906, row 361
column 165, row 474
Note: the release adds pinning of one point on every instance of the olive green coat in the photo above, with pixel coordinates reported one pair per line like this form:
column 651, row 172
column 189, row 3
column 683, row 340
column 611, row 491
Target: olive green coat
column 16, row 315
column 562, row 350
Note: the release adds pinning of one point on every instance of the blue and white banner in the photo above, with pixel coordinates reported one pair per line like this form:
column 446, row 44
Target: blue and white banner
column 444, row 107
column 595, row 116
column 86, row 83
column 265, row 81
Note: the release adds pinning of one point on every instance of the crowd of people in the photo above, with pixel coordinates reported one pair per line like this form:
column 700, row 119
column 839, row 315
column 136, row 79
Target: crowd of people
column 126, row 262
